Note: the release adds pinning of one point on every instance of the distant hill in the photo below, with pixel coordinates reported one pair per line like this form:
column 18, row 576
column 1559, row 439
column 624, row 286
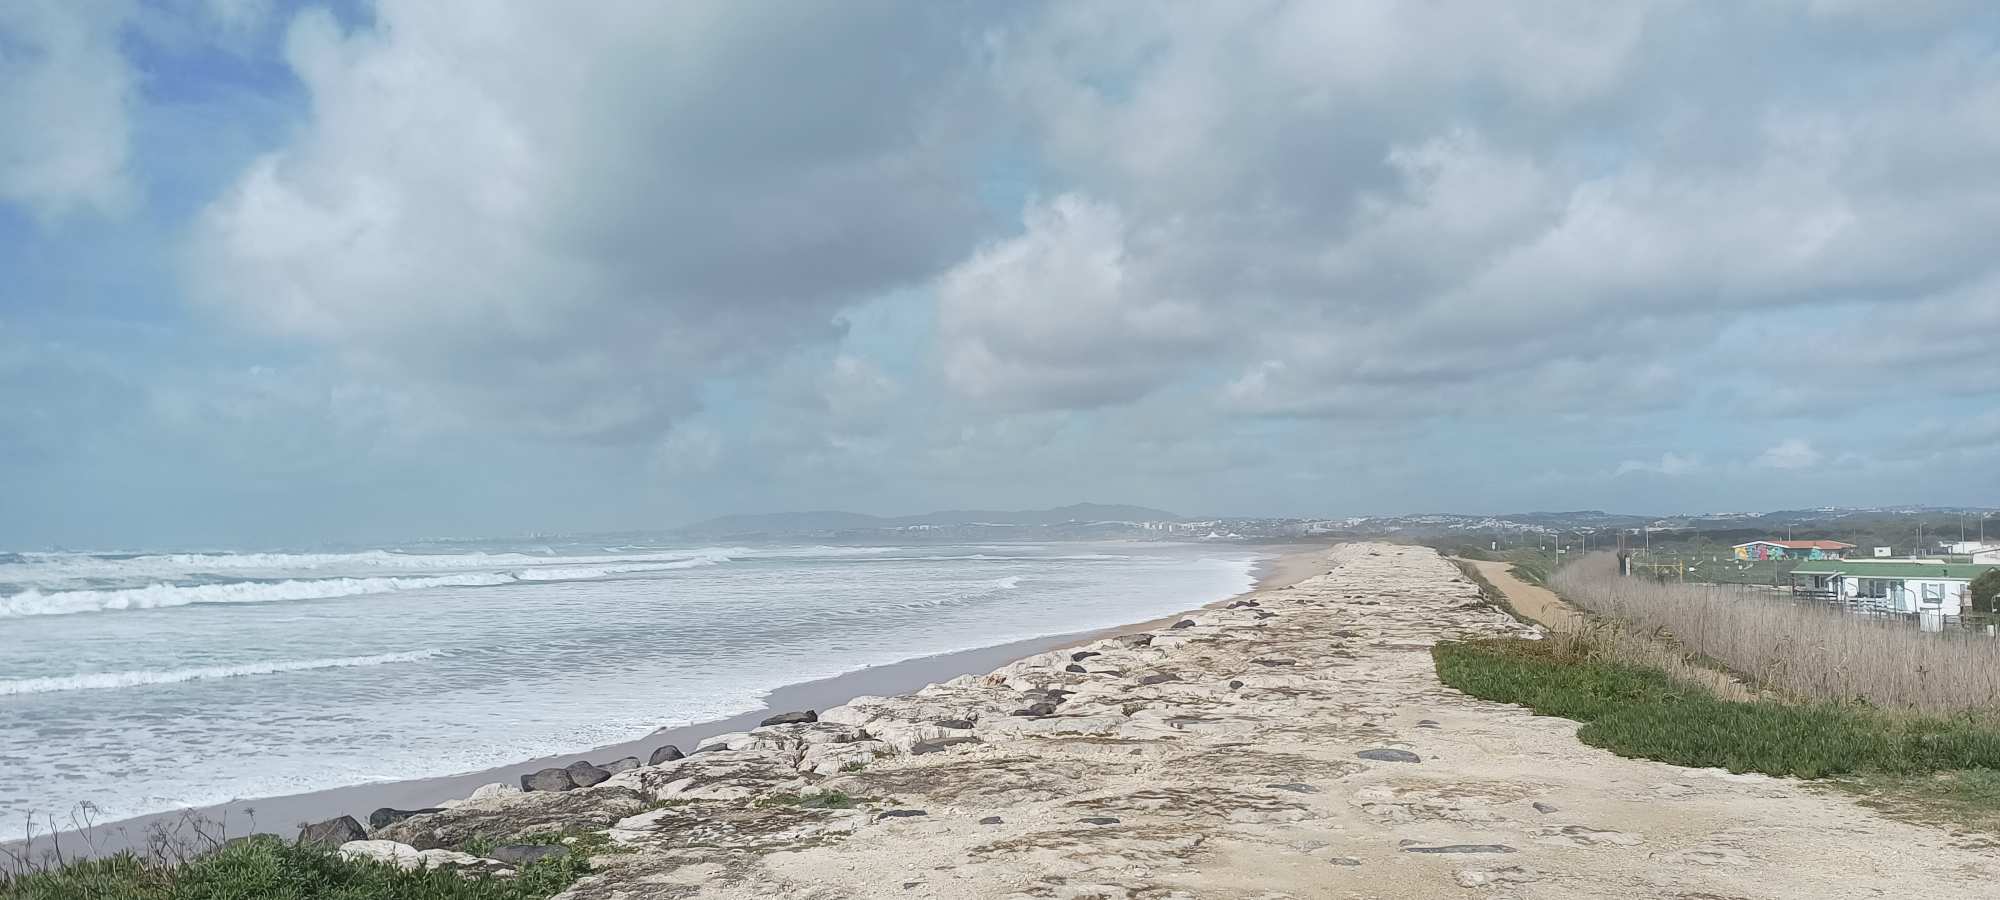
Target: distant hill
column 836, row 521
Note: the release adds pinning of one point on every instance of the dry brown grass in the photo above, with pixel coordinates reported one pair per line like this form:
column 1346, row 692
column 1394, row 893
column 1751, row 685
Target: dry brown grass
column 1805, row 651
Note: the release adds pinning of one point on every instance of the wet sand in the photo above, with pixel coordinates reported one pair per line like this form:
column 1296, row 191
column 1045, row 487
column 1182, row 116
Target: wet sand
column 1288, row 564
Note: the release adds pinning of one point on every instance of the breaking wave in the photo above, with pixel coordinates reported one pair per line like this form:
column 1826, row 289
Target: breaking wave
column 33, row 602
column 103, row 681
column 160, row 595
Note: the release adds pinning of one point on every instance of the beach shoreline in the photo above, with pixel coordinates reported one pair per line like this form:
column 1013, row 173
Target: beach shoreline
column 1287, row 564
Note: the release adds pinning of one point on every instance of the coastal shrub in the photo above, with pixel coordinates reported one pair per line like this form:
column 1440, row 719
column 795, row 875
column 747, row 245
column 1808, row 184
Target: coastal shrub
column 1984, row 591
column 1640, row 712
column 276, row 870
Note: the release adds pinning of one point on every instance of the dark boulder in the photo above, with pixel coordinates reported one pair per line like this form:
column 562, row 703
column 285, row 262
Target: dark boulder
column 902, row 814
column 548, row 780
column 1390, row 755
column 1081, row 655
column 1098, row 820
column 332, row 833
column 791, row 718
column 525, row 854
column 1037, row 710
column 1184, row 623
column 385, row 817
column 991, row 820
column 669, row 753
column 1073, row 667
column 954, row 723
column 1159, row 678
column 622, row 765
column 584, row 774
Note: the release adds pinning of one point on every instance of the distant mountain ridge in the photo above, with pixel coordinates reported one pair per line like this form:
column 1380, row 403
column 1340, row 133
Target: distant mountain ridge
column 835, row 520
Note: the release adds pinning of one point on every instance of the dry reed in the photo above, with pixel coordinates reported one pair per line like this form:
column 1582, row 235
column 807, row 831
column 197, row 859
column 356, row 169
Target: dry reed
column 1801, row 649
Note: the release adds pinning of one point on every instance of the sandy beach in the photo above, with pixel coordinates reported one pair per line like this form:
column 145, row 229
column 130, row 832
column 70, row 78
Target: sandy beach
column 1287, row 564
column 1293, row 743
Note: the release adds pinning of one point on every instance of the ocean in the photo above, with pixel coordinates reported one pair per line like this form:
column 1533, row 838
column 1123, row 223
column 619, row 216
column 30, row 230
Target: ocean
column 141, row 683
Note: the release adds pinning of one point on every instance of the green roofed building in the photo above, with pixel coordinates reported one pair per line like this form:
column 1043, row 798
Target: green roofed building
column 1933, row 589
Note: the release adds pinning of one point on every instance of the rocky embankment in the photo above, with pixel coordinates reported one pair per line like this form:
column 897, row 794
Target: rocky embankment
column 1296, row 744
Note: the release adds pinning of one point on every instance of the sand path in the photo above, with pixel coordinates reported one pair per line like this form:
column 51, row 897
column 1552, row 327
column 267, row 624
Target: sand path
column 1531, row 600
column 1299, row 747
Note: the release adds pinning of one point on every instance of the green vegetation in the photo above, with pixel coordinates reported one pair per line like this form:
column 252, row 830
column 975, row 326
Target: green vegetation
column 1640, row 712
column 1969, row 798
column 270, row 869
column 1985, row 590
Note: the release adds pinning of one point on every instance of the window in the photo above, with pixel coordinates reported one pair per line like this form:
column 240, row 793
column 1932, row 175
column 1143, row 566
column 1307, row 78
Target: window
column 1933, row 593
column 1878, row 588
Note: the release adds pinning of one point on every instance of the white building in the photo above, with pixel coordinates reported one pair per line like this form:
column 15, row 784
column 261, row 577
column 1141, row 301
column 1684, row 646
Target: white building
column 1932, row 589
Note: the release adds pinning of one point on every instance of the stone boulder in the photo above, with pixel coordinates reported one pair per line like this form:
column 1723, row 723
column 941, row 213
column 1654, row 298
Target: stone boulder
column 621, row 765
column 508, row 818
column 404, row 856
column 548, row 780
column 495, row 789
column 790, row 718
column 387, row 816
column 668, row 753
column 583, row 774
column 333, row 832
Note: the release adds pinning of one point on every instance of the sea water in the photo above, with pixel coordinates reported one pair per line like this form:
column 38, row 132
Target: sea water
column 140, row 683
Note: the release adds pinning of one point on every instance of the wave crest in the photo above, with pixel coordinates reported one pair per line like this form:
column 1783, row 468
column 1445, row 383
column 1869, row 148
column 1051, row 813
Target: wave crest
column 103, row 681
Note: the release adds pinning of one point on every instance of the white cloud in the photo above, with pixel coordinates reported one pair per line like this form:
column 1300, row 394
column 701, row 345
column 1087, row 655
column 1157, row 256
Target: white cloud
column 567, row 222
column 1791, row 453
column 65, row 98
column 1059, row 312
column 1382, row 207
column 1670, row 464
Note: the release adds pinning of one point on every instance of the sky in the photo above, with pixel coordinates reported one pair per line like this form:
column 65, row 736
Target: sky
column 275, row 273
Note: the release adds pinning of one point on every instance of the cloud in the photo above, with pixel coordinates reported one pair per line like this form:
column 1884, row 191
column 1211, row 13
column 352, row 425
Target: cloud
column 1381, row 208
column 1671, row 465
column 1058, row 313
column 65, row 97
column 568, row 222
column 1791, row 453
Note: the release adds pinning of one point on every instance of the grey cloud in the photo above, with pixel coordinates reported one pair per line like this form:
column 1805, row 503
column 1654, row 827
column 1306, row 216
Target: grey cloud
column 1373, row 206
column 566, row 222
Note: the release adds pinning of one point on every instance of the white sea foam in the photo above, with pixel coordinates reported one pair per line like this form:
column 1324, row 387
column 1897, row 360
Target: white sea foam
column 31, row 567
column 102, row 681
column 579, row 573
column 38, row 602
column 157, row 596
column 1008, row 583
